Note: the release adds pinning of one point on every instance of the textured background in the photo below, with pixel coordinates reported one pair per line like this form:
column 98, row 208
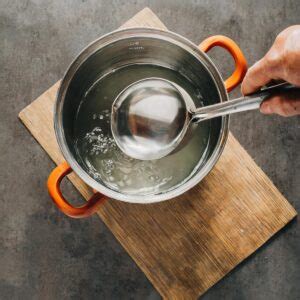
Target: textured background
column 45, row 255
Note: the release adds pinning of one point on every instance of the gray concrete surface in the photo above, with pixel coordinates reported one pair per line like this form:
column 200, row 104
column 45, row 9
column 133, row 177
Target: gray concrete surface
column 45, row 255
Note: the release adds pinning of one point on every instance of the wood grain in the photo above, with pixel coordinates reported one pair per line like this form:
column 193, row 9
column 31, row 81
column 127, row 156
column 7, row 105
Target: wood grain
column 184, row 245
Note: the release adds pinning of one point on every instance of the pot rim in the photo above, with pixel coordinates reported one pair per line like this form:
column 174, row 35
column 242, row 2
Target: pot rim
column 105, row 40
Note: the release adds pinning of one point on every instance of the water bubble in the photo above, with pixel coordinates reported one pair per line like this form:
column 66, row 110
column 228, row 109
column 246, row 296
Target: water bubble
column 167, row 179
column 96, row 130
column 128, row 182
column 198, row 94
column 121, row 183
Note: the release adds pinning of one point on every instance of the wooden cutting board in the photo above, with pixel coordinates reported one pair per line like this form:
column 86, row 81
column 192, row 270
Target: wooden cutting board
column 184, row 245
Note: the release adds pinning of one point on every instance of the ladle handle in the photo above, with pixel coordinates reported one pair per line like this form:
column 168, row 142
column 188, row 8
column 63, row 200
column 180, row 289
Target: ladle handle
column 250, row 102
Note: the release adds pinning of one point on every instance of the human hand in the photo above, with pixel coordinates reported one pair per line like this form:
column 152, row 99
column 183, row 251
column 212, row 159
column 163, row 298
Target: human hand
column 282, row 62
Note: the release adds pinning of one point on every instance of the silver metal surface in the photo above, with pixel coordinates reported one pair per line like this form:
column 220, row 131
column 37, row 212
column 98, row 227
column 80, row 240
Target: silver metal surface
column 150, row 117
column 133, row 46
column 241, row 104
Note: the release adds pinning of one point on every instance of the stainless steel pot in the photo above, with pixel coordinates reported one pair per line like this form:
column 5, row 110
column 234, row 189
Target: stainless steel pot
column 130, row 47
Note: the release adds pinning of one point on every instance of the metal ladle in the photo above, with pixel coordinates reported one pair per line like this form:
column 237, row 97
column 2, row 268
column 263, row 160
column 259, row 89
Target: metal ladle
column 151, row 117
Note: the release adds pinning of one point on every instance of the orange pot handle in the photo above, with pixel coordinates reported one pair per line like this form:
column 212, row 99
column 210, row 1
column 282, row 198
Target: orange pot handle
column 235, row 51
column 53, row 184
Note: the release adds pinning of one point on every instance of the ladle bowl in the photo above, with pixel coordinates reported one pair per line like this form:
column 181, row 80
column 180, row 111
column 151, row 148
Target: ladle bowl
column 151, row 117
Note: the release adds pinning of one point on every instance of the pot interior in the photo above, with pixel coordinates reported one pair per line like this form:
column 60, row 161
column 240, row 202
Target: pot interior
column 86, row 116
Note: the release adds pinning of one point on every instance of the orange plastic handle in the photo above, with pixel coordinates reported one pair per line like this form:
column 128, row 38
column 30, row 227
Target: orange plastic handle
column 238, row 56
column 53, row 184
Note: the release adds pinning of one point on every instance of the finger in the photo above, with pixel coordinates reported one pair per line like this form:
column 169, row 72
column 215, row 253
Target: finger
column 257, row 76
column 282, row 105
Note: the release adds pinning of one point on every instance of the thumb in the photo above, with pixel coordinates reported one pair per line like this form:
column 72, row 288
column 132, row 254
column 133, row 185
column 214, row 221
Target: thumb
column 257, row 76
